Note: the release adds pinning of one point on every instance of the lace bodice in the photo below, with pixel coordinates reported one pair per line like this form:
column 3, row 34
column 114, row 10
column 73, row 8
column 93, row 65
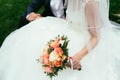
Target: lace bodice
column 75, row 15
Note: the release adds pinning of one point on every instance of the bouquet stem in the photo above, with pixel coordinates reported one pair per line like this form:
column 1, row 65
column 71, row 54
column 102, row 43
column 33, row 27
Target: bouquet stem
column 50, row 78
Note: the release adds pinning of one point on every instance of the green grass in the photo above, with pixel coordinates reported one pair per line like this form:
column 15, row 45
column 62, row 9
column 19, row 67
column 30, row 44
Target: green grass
column 10, row 11
column 115, row 9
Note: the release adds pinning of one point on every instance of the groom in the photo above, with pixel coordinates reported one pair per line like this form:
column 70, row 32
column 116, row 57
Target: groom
column 52, row 8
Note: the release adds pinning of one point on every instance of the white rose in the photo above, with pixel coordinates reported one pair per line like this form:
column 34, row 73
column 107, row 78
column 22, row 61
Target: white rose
column 53, row 56
column 61, row 42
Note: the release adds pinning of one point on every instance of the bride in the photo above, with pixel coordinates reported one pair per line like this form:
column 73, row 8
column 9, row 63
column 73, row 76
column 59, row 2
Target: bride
column 94, row 44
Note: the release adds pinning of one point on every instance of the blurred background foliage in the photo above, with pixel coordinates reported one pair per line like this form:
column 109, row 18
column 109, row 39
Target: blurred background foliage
column 115, row 10
column 10, row 11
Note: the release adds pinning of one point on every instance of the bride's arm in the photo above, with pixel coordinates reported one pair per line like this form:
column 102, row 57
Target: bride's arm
column 93, row 21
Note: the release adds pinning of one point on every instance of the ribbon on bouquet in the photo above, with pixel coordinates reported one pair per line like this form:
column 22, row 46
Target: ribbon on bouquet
column 71, row 64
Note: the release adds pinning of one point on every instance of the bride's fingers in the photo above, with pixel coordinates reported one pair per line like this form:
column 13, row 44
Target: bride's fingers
column 68, row 65
column 76, row 64
column 77, row 67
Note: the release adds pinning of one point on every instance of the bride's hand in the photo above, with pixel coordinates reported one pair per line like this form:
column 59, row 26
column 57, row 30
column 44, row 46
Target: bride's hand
column 75, row 62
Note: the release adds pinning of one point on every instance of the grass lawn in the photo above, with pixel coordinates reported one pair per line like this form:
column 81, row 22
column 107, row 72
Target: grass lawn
column 10, row 11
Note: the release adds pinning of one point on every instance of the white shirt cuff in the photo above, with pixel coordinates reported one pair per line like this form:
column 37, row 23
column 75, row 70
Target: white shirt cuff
column 27, row 16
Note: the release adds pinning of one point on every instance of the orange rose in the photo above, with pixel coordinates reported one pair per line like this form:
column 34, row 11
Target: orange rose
column 58, row 63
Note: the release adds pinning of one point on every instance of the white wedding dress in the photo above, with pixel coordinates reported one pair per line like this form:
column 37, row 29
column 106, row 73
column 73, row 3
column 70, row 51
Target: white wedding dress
column 22, row 47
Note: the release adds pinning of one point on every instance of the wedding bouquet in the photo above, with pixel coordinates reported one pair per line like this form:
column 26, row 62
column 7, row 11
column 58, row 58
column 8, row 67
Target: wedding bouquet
column 55, row 55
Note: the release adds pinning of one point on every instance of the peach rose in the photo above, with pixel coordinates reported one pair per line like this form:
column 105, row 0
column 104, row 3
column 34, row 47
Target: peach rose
column 58, row 63
column 54, row 44
column 45, row 59
column 46, row 55
column 48, row 69
column 58, row 50
column 41, row 59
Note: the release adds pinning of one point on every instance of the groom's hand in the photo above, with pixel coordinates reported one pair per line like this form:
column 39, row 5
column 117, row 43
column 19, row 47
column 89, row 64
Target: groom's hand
column 33, row 16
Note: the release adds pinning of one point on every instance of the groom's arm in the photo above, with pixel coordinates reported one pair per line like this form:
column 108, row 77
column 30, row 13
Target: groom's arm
column 34, row 6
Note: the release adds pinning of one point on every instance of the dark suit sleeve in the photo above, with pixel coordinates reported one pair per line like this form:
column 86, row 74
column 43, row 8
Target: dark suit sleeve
column 34, row 6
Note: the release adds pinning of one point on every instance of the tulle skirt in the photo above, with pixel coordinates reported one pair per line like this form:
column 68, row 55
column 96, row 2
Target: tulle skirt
column 22, row 48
